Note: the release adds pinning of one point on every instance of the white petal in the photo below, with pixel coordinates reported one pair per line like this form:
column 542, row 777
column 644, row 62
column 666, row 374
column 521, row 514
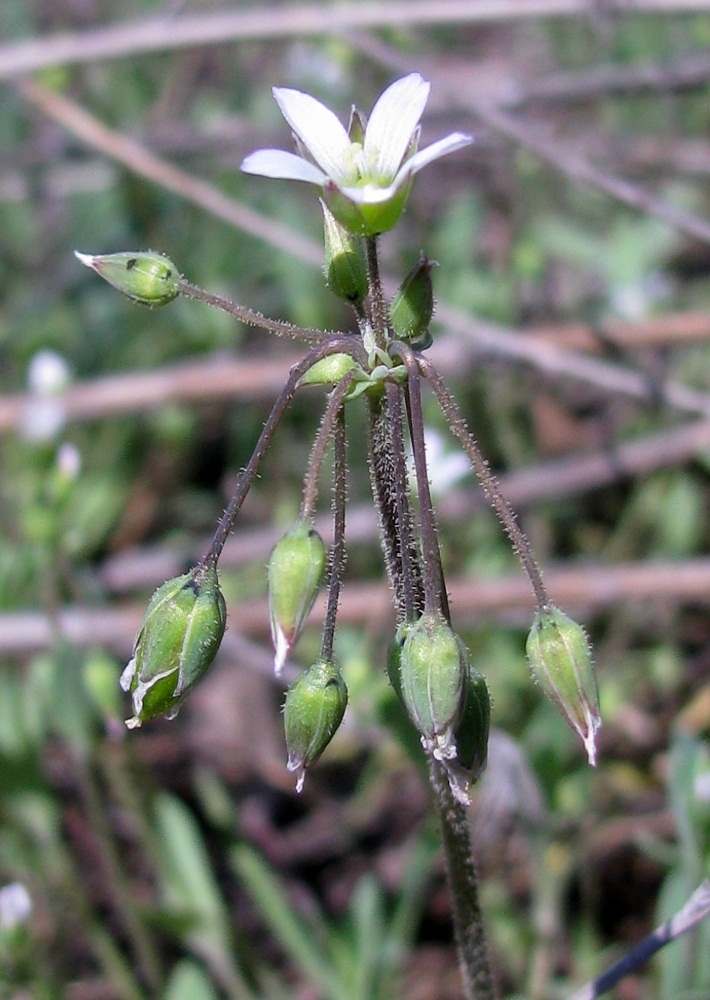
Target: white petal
column 457, row 140
column 280, row 164
column 392, row 123
column 318, row 129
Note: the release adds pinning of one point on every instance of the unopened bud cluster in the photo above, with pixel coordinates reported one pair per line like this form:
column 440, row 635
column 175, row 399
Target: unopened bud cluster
column 363, row 175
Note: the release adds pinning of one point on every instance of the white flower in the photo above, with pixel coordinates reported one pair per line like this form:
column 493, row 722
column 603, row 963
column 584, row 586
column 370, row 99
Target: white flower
column 44, row 414
column 446, row 468
column 48, row 373
column 365, row 177
column 15, row 905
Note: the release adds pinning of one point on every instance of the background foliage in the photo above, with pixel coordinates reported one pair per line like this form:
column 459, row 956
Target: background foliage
column 573, row 248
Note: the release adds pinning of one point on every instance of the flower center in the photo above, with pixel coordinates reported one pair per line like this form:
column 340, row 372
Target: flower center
column 363, row 168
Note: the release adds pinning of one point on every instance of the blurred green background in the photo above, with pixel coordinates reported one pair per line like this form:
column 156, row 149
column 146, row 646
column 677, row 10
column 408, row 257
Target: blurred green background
column 573, row 327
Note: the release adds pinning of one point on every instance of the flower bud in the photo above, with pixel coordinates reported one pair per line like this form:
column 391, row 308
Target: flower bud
column 146, row 277
column 432, row 672
column 295, row 573
column 412, row 306
column 329, row 370
column 176, row 643
column 314, row 708
column 561, row 661
column 345, row 269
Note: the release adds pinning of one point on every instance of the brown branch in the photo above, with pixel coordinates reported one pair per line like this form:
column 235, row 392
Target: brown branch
column 552, row 480
column 138, row 159
column 226, row 377
column 601, row 81
column 590, row 587
column 484, row 337
column 550, row 150
column 219, row 378
column 162, row 34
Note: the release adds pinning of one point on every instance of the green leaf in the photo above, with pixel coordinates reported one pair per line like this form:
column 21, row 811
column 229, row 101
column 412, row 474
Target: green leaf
column 189, row 982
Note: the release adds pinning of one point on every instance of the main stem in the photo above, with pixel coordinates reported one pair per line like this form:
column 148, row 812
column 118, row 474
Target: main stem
column 471, row 943
column 378, row 312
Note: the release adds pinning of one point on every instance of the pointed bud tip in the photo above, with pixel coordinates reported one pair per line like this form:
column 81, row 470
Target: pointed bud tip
column 590, row 738
column 86, row 258
column 282, row 648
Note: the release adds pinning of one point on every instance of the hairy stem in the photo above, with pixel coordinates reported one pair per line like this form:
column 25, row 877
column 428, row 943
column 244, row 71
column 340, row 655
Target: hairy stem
column 488, row 481
column 463, row 884
column 253, row 318
column 378, row 313
column 435, row 598
column 411, row 595
column 246, row 479
column 337, row 554
column 320, row 445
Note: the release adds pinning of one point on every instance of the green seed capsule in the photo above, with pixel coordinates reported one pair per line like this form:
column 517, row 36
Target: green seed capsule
column 314, row 708
column 295, row 573
column 176, row 643
column 472, row 732
column 394, row 658
column 345, row 269
column 561, row 662
column 432, row 673
column 146, row 277
column 412, row 307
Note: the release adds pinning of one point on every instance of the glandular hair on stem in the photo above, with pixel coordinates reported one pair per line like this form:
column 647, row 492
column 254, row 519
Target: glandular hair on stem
column 382, row 462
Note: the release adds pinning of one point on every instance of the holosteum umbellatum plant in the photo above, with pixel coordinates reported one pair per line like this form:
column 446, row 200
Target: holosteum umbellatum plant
column 364, row 175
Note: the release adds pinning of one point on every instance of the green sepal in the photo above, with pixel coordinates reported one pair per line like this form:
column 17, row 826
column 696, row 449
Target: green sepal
column 144, row 276
column 175, row 644
column 561, row 662
column 294, row 575
column 345, row 267
column 366, row 220
column 314, row 708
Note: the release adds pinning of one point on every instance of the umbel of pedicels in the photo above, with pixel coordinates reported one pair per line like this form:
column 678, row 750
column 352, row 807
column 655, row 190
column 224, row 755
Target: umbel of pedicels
column 364, row 176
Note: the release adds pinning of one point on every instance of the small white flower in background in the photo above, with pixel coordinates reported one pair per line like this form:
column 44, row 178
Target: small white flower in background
column 48, row 373
column 364, row 175
column 44, row 416
column 15, row 905
column 446, row 468
column 68, row 460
